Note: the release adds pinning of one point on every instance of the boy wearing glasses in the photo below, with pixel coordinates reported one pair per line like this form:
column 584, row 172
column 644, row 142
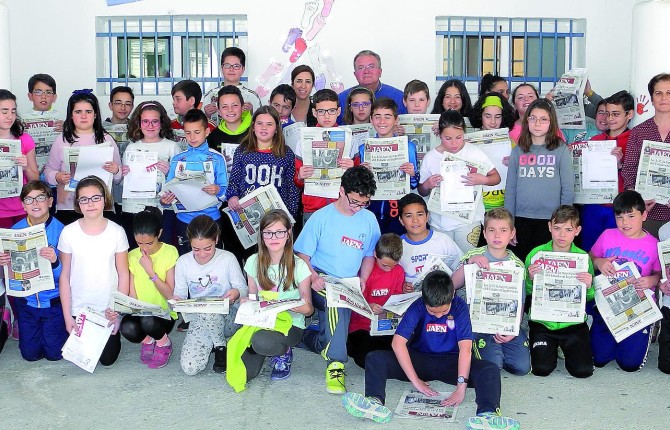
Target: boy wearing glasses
column 233, row 61
column 338, row 240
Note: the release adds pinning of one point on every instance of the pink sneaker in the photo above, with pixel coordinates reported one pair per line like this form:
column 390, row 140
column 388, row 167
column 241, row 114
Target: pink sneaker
column 161, row 356
column 146, row 352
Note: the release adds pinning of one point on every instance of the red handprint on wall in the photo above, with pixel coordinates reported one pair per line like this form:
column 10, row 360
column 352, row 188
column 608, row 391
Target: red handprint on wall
column 642, row 102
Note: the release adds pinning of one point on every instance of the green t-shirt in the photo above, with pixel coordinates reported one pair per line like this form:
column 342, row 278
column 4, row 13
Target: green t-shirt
column 164, row 259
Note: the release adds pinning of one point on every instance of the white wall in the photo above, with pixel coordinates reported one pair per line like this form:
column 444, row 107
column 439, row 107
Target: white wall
column 61, row 41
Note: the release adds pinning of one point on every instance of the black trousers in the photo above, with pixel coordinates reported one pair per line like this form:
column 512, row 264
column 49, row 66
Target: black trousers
column 573, row 340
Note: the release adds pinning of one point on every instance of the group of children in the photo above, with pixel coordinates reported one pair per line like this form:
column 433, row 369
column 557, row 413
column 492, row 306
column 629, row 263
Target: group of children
column 385, row 243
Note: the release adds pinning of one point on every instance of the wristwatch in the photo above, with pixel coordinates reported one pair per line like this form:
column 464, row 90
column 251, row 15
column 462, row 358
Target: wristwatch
column 462, row 380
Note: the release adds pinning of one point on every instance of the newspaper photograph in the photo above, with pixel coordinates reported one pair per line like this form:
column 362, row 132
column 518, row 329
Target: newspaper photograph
column 43, row 131
column 496, row 306
column 322, row 148
column 569, row 100
column 414, row 404
column 385, row 156
column 557, row 294
column 180, row 138
column 346, row 293
column 141, row 182
column 86, row 342
column 201, row 305
column 87, row 160
column 11, row 174
column 583, row 195
column 384, row 324
column 119, row 133
column 419, row 130
column 359, row 134
column 497, row 145
column 254, row 205
column 28, row 273
column 292, row 135
column 470, row 276
column 433, row 262
column 263, row 314
column 624, row 309
column 130, row 306
column 228, row 152
column 653, row 172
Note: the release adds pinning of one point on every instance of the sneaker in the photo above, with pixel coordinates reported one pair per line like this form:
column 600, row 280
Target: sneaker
column 281, row 366
column 15, row 330
column 335, row 378
column 220, row 359
column 183, row 326
column 161, row 356
column 490, row 420
column 366, row 407
column 146, row 352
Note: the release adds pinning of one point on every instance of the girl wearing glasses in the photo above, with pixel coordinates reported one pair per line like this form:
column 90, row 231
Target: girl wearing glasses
column 540, row 177
column 359, row 106
column 94, row 259
column 276, row 273
column 149, row 130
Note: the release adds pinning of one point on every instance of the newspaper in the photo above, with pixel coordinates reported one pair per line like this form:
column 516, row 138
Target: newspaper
column 180, row 138
column 141, row 182
column 433, row 262
column 28, row 273
column 202, row 305
column 43, row 131
column 557, row 294
column 88, row 160
column 189, row 194
column 292, row 135
column 263, row 314
column 470, row 276
column 346, row 293
column 254, row 205
column 453, row 192
column 664, row 257
column 359, row 134
column 653, row 172
column 228, row 152
column 11, row 174
column 603, row 192
column 385, row 156
column 419, row 130
column 119, row 133
column 497, row 300
column 88, row 339
column 414, row 404
column 395, row 307
column 624, row 309
column 130, row 306
column 399, row 303
column 497, row 145
column 322, row 148
column 569, row 100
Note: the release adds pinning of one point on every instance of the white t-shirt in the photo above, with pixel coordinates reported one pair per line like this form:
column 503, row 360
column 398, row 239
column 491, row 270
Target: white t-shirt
column 212, row 279
column 93, row 274
column 415, row 254
column 431, row 166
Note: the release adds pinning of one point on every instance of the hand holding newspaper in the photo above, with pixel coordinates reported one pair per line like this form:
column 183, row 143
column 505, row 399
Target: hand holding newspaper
column 346, row 293
column 28, row 272
column 653, row 172
column 88, row 339
column 569, row 99
column 201, row 305
column 88, row 161
column 130, row 306
column 43, row 131
column 414, row 404
column 419, row 130
column 140, row 182
column 433, row 262
column 11, row 174
column 263, row 314
column 189, row 194
column 385, row 156
column 323, row 148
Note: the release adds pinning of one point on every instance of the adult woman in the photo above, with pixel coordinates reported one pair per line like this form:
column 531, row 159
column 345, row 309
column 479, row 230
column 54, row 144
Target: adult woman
column 302, row 80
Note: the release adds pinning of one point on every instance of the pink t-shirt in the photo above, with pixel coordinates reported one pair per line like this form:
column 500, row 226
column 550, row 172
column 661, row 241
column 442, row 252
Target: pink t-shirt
column 11, row 206
column 643, row 251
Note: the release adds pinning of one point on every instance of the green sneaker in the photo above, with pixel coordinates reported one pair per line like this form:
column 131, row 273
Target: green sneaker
column 335, row 378
column 366, row 407
column 490, row 420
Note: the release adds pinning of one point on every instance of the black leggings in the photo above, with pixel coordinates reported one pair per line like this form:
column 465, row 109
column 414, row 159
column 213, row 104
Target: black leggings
column 111, row 351
column 135, row 328
column 268, row 343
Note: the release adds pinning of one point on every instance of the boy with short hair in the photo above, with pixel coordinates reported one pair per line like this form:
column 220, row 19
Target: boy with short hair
column 386, row 279
column 506, row 351
column 42, row 93
column 432, row 342
column 416, row 97
column 420, row 242
column 545, row 336
column 627, row 242
column 233, row 62
column 235, row 121
column 338, row 240
column 283, row 99
column 186, row 95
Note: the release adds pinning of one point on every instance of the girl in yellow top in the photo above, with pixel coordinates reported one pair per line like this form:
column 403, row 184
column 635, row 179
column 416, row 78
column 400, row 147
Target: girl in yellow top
column 152, row 281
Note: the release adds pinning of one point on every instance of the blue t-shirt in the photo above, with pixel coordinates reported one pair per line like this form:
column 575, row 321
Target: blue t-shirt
column 337, row 243
column 431, row 335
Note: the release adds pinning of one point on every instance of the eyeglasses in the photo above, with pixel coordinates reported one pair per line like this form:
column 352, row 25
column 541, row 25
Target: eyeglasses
column 42, row 92
column 615, row 114
column 322, row 112
column 94, row 199
column 368, row 67
column 356, row 203
column 279, row 234
column 281, row 108
column 542, row 120
column 40, row 198
column 151, row 122
column 360, row 105
column 229, row 66
column 119, row 103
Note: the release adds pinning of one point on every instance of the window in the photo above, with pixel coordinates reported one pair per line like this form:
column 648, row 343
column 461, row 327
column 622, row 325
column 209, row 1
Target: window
column 151, row 54
column 531, row 50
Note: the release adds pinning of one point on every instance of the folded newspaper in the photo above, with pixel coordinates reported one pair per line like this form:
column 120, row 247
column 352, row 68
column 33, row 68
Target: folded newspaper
column 263, row 314
column 414, row 404
column 433, row 262
column 88, row 339
column 395, row 307
column 202, row 305
column 346, row 293
column 130, row 306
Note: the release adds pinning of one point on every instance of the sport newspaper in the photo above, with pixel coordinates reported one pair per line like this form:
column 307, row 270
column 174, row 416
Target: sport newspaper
column 419, row 130
column 497, row 145
column 664, row 257
column 202, row 305
column 653, row 172
column 86, row 342
column 385, row 156
column 433, row 262
column 28, row 273
column 557, row 294
column 130, row 306
column 359, row 134
column 43, row 131
column 254, row 205
column 608, row 188
column 263, row 314
column 569, row 100
column 11, row 174
column 414, row 404
column 346, row 293
column 395, row 307
column 497, row 300
column 624, row 309
column 322, row 148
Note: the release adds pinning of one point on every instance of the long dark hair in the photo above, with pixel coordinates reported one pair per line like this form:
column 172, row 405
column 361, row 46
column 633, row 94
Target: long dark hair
column 507, row 111
column 552, row 139
column 17, row 127
column 465, row 97
column 69, row 129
